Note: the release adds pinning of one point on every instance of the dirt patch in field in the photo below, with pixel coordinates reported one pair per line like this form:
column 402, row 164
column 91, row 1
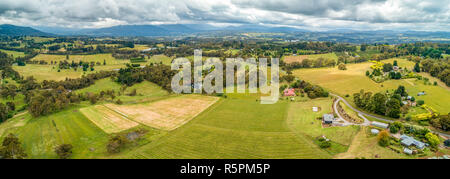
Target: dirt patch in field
column 292, row 59
column 166, row 114
column 108, row 120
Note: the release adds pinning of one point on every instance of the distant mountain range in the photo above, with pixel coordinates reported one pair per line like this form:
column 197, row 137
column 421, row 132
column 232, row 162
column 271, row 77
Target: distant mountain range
column 12, row 30
column 163, row 30
column 336, row 35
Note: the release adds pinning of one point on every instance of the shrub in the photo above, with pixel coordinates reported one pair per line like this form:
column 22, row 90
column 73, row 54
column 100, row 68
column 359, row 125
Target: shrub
column 116, row 143
column 64, row 151
column 383, row 138
column 420, row 102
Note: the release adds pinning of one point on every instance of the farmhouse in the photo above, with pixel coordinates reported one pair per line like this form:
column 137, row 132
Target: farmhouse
column 380, row 124
column 289, row 92
column 409, row 141
column 328, row 118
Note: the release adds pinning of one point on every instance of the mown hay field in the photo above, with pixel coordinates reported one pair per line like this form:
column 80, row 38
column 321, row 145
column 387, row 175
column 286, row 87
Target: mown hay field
column 166, row 114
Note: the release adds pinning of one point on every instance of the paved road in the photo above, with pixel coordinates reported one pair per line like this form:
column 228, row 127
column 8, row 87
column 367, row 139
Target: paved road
column 372, row 116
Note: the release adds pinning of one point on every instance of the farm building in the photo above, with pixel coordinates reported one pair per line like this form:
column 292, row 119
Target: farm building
column 374, row 131
column 409, row 141
column 421, row 93
column 315, row 109
column 289, row 92
column 408, row 151
column 380, row 124
column 328, row 118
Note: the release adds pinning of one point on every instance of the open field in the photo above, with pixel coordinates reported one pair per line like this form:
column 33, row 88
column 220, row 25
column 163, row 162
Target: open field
column 300, row 58
column 353, row 80
column 236, row 127
column 85, row 58
column 108, row 120
column 167, row 114
column 136, row 47
column 101, row 85
column 145, row 92
column 40, row 135
column 156, row 59
column 15, row 54
column 302, row 119
column 49, row 72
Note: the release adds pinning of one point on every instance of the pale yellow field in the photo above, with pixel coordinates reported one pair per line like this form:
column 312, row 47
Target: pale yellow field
column 107, row 120
column 167, row 114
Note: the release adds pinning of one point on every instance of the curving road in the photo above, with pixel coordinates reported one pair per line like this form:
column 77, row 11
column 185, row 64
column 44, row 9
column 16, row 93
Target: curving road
column 361, row 113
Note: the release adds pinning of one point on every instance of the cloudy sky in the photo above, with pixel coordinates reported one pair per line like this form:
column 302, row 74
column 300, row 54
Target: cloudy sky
column 429, row 15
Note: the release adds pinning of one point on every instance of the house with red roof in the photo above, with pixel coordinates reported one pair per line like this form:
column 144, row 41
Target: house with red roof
column 289, row 92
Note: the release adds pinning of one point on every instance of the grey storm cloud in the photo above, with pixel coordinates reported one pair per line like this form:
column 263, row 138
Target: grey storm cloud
column 314, row 14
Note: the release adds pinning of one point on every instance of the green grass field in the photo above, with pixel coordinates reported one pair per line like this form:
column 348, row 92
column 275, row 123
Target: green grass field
column 353, row 80
column 15, row 54
column 156, row 59
column 85, row 58
column 101, row 85
column 236, row 127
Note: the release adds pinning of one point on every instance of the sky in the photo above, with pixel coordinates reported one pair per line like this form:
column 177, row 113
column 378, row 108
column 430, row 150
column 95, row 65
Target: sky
column 425, row 15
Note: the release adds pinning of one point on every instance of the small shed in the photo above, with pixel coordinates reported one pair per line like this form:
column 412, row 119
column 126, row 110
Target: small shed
column 408, row 151
column 315, row 109
column 374, row 131
column 328, row 118
column 380, row 124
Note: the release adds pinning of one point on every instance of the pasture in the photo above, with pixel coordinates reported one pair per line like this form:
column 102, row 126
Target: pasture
column 157, row 59
column 14, row 54
column 40, row 135
column 300, row 58
column 234, row 128
column 50, row 72
column 302, row 120
column 353, row 80
column 110, row 60
column 167, row 114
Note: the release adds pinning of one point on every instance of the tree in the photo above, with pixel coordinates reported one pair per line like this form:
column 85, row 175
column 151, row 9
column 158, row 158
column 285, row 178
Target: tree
column 393, row 108
column 115, row 143
column 432, row 139
column 395, row 127
column 3, row 112
column 401, row 91
column 417, row 67
column 12, row 148
column 395, row 63
column 420, row 102
column 383, row 138
column 104, row 62
column 342, row 67
column 64, row 151
column 387, row 67
column 378, row 104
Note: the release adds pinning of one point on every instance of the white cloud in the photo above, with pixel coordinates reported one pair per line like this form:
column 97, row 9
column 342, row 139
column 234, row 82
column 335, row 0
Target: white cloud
column 310, row 14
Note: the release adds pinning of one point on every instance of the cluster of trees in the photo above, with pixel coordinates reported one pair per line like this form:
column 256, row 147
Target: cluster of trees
column 437, row 68
column 126, row 54
column 156, row 73
column 85, row 65
column 381, row 103
column 307, row 63
column 11, row 148
column 313, row 91
column 441, row 122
